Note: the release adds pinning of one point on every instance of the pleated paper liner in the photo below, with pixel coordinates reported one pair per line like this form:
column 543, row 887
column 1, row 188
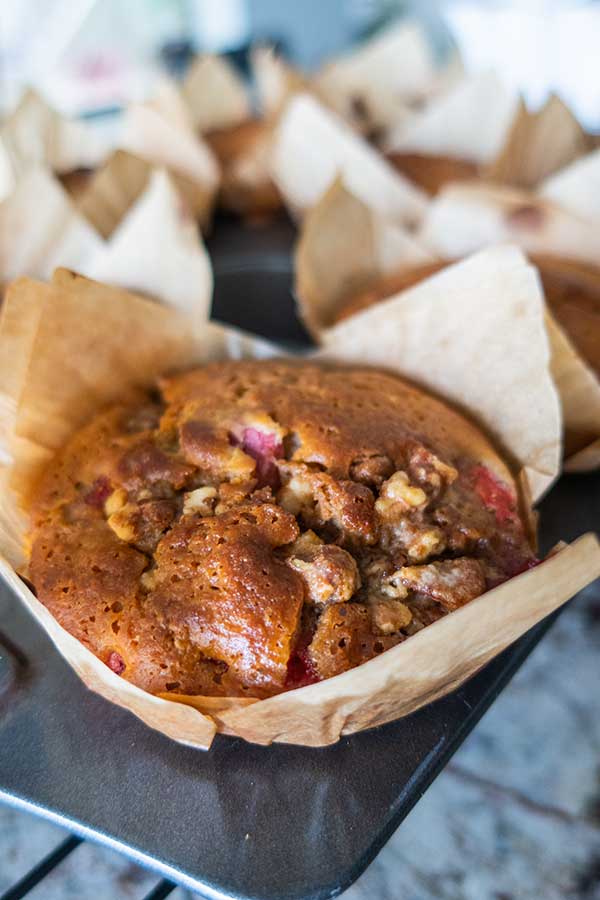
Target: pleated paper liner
column 115, row 187
column 465, row 217
column 215, row 95
column 275, row 81
column 577, row 187
column 156, row 248
column 383, row 81
column 312, row 146
column 481, row 129
column 160, row 131
column 37, row 135
column 346, row 262
column 221, row 110
column 538, row 144
column 344, row 247
column 469, row 122
column 74, row 346
column 156, row 133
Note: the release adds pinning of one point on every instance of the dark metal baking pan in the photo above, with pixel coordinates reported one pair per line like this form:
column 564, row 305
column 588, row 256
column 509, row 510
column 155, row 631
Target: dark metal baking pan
column 239, row 821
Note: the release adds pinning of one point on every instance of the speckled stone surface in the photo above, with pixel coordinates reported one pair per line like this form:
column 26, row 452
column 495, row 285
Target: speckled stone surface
column 515, row 816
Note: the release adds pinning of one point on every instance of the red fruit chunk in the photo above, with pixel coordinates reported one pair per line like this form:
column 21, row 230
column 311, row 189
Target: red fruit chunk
column 99, row 492
column 525, row 565
column 116, row 662
column 513, row 568
column 265, row 447
column 300, row 669
column 495, row 495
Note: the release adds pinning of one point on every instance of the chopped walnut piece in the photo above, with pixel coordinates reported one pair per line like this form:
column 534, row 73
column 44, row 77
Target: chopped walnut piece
column 417, row 541
column 461, row 536
column 451, row 582
column 397, row 496
column 392, row 587
column 430, row 471
column 200, row 502
column 371, row 470
column 296, row 495
column 115, row 502
column 122, row 525
column 330, row 575
column 143, row 524
column 306, row 543
column 321, row 499
column 388, row 616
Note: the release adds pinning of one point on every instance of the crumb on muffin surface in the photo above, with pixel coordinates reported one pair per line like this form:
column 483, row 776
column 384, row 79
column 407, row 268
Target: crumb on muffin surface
column 265, row 525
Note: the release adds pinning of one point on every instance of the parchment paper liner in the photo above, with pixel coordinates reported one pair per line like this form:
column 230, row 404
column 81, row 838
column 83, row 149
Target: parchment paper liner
column 471, row 121
column 312, row 146
column 579, row 391
column 538, row 144
column 219, row 108
column 215, row 95
column 161, row 132
column 382, row 81
column 465, row 217
column 347, row 251
column 275, row 80
column 52, row 382
column 121, row 180
column 577, row 187
column 344, row 247
column 483, row 123
column 36, row 134
column 156, row 249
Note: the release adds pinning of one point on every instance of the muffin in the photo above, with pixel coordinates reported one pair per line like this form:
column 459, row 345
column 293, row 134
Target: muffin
column 243, row 154
column 258, row 526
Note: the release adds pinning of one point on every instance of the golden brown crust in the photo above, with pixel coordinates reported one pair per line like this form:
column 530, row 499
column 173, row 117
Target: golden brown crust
column 266, row 524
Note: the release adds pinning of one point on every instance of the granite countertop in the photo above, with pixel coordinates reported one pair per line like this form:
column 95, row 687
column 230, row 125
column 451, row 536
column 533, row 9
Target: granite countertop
column 515, row 816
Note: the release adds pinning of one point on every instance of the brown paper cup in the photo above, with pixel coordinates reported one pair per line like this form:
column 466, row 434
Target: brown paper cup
column 470, row 122
column 465, row 217
column 54, row 382
column 215, row 95
column 312, row 146
column 343, row 249
column 577, row 187
column 37, row 135
column 274, row 81
column 537, row 145
column 160, row 132
column 155, row 249
column 383, row 81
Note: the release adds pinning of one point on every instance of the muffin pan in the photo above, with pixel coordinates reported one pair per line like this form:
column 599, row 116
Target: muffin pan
column 240, row 821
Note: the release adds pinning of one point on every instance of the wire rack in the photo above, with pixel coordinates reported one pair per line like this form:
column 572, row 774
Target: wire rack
column 47, row 865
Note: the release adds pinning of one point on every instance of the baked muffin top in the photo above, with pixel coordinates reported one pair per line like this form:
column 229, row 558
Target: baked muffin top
column 258, row 526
